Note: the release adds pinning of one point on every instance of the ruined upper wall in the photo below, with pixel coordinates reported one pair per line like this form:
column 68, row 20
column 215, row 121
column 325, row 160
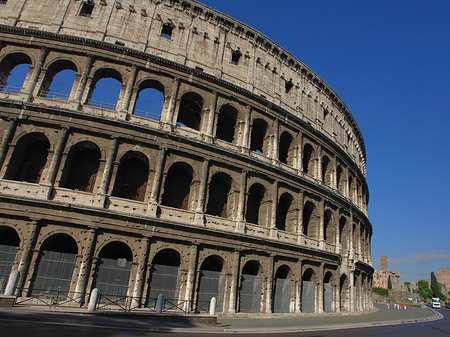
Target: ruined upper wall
column 207, row 40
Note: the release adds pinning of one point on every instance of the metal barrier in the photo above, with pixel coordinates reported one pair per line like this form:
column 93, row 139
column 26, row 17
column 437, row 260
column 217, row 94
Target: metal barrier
column 11, row 89
column 147, row 114
column 53, row 95
column 102, row 105
column 52, row 298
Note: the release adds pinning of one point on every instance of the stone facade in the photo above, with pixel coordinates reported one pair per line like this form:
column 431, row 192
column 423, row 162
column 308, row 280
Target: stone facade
column 252, row 175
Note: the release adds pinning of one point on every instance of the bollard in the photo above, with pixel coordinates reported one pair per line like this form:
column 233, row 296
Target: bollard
column 93, row 300
column 212, row 306
column 160, row 304
column 12, row 282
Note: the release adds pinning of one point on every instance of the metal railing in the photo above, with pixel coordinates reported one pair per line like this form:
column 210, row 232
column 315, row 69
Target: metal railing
column 10, row 89
column 146, row 114
column 52, row 298
column 53, row 95
column 102, row 105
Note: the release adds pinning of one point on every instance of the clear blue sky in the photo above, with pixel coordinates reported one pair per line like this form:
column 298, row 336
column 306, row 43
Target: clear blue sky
column 390, row 63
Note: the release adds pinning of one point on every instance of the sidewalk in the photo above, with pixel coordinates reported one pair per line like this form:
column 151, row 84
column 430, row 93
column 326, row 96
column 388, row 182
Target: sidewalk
column 236, row 324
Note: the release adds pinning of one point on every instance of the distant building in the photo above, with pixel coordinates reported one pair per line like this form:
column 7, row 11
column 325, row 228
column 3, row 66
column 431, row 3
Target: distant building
column 381, row 277
column 444, row 278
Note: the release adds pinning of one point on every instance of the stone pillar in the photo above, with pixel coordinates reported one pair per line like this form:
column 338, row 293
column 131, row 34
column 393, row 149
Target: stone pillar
column 108, row 166
column 245, row 143
column 7, row 135
column 298, row 287
column 276, row 140
column 156, row 187
column 321, row 212
column 168, row 120
column 269, row 285
column 300, row 235
column 273, row 220
column 191, row 276
column 83, row 274
column 128, row 91
column 199, row 211
column 234, row 286
column 212, row 114
column 35, row 74
column 319, row 286
column 319, row 164
column 83, row 80
column 352, row 293
column 300, row 153
column 240, row 216
column 140, row 275
column 27, row 251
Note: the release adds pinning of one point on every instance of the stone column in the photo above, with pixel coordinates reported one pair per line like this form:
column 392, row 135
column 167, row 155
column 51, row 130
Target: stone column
column 298, row 287
column 276, row 140
column 156, row 187
column 321, row 212
column 108, row 166
column 140, row 275
column 300, row 153
column 128, row 92
column 35, row 74
column 273, row 220
column 319, row 287
column 80, row 288
column 191, row 276
column 352, row 293
column 168, row 120
column 199, row 211
column 300, row 235
column 269, row 285
column 319, row 164
column 234, row 282
column 83, row 80
column 27, row 250
column 245, row 144
column 7, row 135
column 212, row 114
column 240, row 216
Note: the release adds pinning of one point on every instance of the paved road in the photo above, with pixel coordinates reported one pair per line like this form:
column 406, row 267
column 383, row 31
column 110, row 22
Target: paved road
column 22, row 323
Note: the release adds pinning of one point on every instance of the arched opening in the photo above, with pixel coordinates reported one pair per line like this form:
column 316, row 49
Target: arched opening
column 308, row 302
column 226, row 123
column 284, row 205
column 14, row 70
column 308, row 160
column 255, row 198
column 327, row 293
column 177, row 186
column 344, row 288
column 56, row 263
column 132, row 177
column 285, row 151
column 211, row 283
column 80, row 171
column 219, row 188
column 164, row 276
column 351, row 189
column 29, row 158
column 59, row 79
column 355, row 238
column 259, row 130
column 328, row 227
column 310, row 221
column 105, row 89
column 326, row 171
column 149, row 100
column 113, row 272
column 282, row 291
column 9, row 242
column 340, row 180
column 190, row 111
column 251, row 288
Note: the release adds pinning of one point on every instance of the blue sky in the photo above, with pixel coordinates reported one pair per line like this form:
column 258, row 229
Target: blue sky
column 390, row 63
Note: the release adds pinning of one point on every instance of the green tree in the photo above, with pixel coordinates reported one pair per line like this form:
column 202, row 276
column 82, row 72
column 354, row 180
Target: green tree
column 389, row 283
column 424, row 289
column 434, row 285
column 422, row 284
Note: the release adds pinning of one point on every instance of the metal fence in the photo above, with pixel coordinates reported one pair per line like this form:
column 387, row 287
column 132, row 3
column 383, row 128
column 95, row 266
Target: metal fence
column 102, row 105
column 11, row 89
column 147, row 114
column 54, row 95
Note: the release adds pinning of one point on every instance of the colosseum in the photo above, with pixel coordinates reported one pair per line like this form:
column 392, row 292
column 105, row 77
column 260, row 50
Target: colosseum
column 224, row 167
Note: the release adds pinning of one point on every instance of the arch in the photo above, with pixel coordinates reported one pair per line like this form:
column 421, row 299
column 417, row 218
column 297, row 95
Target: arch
column 14, row 70
column 310, row 220
column 105, row 89
column 56, row 264
column 9, row 242
column 308, row 298
column 258, row 137
column 132, row 177
column 177, row 186
column 344, row 289
column 29, row 158
column 286, row 150
column 190, row 110
column 112, row 272
column 149, row 100
column 340, row 183
column 81, row 168
column 308, row 163
column 226, row 123
column 327, row 292
column 164, row 275
column 329, row 233
column 211, row 282
column 326, row 171
column 255, row 197
column 282, row 290
column 355, row 238
column 58, row 80
column 219, row 188
column 250, row 291
column 283, row 221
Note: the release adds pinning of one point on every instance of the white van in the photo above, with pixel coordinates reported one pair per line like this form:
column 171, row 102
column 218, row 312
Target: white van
column 436, row 303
